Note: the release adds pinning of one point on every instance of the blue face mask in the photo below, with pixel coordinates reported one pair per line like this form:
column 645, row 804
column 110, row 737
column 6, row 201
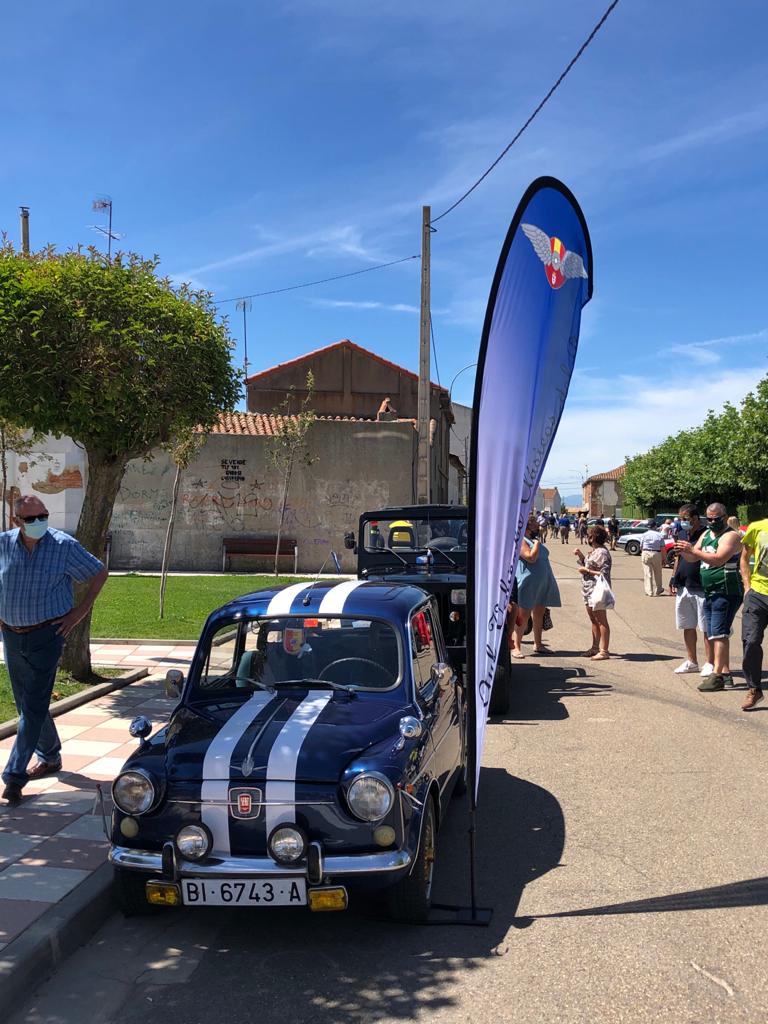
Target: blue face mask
column 36, row 530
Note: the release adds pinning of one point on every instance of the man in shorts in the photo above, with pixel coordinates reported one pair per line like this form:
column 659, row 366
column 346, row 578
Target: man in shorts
column 754, row 617
column 719, row 551
column 689, row 599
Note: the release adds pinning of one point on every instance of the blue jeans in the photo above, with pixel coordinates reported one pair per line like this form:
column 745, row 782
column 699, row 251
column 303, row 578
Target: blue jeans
column 31, row 660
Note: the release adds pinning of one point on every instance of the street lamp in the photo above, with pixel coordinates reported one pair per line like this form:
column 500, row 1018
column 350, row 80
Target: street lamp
column 450, row 389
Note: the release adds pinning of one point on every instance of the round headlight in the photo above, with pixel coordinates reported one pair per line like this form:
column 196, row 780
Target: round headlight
column 133, row 792
column 287, row 844
column 370, row 797
column 193, row 841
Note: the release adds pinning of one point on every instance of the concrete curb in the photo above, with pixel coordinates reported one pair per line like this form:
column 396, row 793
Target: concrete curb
column 27, row 961
column 60, row 707
column 136, row 641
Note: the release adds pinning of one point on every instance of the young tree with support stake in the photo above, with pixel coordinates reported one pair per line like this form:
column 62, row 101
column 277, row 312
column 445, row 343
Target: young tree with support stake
column 182, row 450
column 110, row 354
column 288, row 445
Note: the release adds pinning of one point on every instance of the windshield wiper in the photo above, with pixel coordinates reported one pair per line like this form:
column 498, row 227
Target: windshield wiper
column 351, row 690
column 439, row 551
column 257, row 682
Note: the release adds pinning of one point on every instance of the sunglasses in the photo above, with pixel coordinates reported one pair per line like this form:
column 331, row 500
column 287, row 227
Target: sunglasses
column 43, row 517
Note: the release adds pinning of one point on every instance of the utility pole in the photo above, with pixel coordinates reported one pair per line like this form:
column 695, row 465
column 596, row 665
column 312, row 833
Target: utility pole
column 245, row 305
column 24, row 217
column 423, row 488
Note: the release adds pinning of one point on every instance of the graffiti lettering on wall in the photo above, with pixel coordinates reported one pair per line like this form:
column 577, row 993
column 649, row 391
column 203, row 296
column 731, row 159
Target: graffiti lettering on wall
column 232, row 471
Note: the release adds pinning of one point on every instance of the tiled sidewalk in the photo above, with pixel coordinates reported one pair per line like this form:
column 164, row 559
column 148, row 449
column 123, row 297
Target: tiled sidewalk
column 55, row 839
column 157, row 657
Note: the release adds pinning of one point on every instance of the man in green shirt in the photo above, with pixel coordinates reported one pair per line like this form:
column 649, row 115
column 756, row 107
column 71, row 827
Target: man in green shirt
column 755, row 612
column 718, row 549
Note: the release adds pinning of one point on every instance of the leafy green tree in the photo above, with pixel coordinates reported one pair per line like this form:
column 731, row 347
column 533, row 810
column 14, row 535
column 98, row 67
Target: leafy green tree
column 113, row 356
column 288, row 445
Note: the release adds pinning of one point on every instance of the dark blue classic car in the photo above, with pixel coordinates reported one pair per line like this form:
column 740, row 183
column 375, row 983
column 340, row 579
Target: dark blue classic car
column 317, row 741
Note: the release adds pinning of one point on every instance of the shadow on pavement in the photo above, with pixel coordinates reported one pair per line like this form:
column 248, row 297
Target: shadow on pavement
column 283, row 965
column 752, row 892
column 538, row 690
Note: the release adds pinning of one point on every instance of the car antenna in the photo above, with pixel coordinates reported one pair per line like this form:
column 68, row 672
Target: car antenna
column 308, row 596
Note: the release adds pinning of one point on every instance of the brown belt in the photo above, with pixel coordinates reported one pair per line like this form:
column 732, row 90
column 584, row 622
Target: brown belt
column 28, row 629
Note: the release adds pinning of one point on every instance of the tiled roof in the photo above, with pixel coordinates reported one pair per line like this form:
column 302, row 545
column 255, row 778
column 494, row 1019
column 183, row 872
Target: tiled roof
column 612, row 474
column 262, row 424
column 344, row 343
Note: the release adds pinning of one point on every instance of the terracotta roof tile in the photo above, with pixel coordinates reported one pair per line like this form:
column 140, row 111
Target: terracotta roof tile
column 612, row 474
column 262, row 424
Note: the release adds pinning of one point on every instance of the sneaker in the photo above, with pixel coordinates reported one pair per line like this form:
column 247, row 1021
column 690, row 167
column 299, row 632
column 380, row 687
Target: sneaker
column 728, row 681
column 708, row 669
column 711, row 683
column 753, row 697
column 687, row 666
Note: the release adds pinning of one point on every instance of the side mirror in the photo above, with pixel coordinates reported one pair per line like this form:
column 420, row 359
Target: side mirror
column 336, row 562
column 140, row 727
column 349, row 541
column 442, row 674
column 410, row 728
column 174, row 681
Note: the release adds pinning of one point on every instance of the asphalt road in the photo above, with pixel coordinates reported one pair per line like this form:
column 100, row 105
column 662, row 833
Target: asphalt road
column 622, row 846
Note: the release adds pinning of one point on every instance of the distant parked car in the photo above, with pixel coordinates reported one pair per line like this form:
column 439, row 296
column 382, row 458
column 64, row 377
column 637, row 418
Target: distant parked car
column 630, row 542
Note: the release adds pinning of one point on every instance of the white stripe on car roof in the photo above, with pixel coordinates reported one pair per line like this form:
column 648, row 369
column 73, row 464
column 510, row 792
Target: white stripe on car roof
column 216, row 769
column 334, row 600
column 280, row 790
column 281, row 603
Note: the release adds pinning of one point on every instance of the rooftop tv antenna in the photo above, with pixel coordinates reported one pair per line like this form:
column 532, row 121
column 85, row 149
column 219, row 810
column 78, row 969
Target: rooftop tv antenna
column 245, row 305
column 105, row 203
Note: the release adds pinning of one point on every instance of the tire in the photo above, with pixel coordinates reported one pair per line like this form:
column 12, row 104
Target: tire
column 410, row 899
column 501, row 694
column 669, row 559
column 632, row 547
column 129, row 891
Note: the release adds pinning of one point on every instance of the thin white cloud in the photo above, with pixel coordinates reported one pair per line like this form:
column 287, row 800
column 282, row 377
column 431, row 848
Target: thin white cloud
column 390, row 307
column 746, row 122
column 706, row 353
column 605, row 419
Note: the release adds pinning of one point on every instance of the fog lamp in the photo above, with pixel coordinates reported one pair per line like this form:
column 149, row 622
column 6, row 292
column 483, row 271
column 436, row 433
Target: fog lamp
column 129, row 827
column 328, row 899
column 384, row 835
column 163, row 894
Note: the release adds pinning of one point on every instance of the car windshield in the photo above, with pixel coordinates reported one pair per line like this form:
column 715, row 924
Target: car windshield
column 405, row 535
column 272, row 653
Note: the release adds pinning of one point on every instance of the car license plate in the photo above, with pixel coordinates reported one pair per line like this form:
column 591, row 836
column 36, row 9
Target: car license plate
column 244, row 892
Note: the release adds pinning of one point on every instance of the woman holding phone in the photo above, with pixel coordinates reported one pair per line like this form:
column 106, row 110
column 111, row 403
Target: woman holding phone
column 536, row 587
column 597, row 563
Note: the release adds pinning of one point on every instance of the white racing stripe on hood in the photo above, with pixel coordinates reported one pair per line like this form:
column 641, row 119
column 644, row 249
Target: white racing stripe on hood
column 284, row 756
column 216, row 770
column 281, row 603
column 334, row 601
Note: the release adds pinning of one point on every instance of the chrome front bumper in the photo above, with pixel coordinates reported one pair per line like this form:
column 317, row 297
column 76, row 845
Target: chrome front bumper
column 357, row 864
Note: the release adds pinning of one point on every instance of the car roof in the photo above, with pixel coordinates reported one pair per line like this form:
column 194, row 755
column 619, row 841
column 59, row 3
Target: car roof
column 418, row 512
column 355, row 598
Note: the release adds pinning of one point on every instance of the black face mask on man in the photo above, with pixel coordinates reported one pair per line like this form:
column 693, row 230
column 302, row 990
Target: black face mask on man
column 717, row 524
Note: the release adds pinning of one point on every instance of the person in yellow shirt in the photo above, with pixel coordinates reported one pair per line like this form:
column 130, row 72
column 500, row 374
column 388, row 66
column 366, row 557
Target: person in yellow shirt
column 754, row 615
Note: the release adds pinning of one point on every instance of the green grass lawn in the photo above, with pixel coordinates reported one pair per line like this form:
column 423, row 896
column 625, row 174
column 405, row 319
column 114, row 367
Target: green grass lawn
column 64, row 686
column 128, row 605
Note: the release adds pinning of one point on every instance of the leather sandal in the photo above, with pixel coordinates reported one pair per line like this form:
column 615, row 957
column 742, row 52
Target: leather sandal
column 43, row 768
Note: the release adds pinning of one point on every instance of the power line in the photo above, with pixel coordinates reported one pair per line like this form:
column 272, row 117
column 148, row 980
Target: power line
column 504, row 152
column 309, row 284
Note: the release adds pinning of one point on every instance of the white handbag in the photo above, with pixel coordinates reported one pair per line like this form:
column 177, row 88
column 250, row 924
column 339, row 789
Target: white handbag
column 602, row 598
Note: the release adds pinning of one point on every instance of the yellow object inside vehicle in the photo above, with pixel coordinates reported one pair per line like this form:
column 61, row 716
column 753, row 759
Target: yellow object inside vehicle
column 401, row 534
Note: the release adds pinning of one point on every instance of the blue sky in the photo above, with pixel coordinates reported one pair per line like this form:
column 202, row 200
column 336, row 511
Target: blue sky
column 254, row 146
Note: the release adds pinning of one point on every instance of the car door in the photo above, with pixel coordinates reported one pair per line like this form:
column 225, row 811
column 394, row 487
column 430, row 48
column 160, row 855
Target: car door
column 436, row 695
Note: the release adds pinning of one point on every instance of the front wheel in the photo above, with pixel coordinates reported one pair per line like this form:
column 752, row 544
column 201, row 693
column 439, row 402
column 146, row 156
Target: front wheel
column 632, row 547
column 410, row 899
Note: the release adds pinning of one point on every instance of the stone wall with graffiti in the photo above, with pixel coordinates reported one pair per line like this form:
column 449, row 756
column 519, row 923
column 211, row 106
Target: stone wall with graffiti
column 229, row 490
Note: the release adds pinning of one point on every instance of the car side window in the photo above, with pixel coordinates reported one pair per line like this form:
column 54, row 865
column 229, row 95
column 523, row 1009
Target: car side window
column 423, row 647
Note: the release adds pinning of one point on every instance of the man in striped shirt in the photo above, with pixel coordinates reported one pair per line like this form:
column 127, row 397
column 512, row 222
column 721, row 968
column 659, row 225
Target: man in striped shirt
column 37, row 569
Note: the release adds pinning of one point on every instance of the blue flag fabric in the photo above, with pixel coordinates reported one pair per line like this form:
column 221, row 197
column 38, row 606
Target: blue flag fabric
column 527, row 353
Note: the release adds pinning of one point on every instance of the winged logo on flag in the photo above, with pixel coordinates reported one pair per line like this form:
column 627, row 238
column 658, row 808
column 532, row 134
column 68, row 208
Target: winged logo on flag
column 559, row 263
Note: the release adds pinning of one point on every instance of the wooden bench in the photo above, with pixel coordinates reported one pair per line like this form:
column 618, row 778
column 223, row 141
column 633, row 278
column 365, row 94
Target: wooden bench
column 263, row 546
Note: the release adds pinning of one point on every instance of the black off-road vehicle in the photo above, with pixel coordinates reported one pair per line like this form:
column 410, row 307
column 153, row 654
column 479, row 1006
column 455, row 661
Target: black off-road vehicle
column 427, row 545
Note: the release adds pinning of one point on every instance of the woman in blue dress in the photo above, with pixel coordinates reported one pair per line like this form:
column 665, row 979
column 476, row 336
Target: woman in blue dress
column 536, row 587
